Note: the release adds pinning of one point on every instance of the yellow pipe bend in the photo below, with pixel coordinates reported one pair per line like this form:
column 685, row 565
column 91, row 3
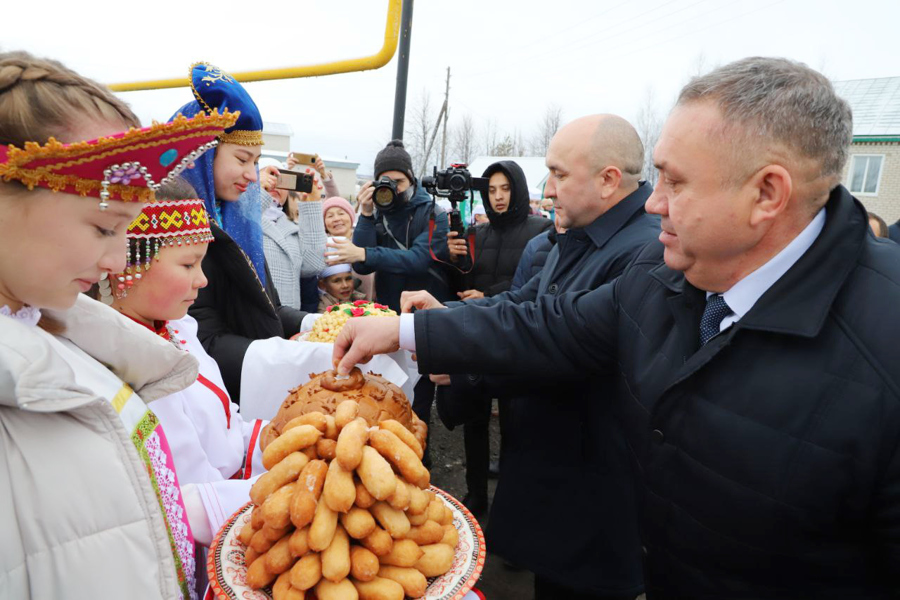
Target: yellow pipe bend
column 375, row 61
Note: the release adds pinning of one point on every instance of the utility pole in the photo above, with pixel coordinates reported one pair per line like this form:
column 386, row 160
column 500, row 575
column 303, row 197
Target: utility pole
column 406, row 15
column 437, row 124
column 446, row 115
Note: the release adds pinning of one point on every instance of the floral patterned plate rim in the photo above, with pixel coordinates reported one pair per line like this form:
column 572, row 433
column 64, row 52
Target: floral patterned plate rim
column 227, row 573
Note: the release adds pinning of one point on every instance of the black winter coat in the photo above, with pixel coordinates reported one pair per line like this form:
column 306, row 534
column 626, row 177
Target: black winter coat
column 894, row 232
column 500, row 242
column 769, row 458
column 533, row 259
column 234, row 309
column 582, row 468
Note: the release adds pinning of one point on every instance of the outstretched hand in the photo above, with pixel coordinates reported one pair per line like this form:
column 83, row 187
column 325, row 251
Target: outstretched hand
column 419, row 300
column 362, row 338
column 339, row 252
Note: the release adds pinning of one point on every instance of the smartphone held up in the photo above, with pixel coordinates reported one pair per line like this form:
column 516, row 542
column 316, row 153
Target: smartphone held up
column 293, row 181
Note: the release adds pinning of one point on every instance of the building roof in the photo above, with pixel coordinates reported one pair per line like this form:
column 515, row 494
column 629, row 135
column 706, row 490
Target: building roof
column 875, row 104
column 273, row 128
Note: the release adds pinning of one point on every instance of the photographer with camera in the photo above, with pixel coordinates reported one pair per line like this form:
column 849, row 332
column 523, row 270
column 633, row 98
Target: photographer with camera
column 392, row 235
column 392, row 240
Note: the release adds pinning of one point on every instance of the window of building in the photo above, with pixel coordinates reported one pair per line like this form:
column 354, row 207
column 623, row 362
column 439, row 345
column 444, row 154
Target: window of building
column 865, row 173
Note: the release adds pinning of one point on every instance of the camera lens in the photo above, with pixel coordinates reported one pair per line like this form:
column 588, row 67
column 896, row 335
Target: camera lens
column 457, row 182
column 383, row 196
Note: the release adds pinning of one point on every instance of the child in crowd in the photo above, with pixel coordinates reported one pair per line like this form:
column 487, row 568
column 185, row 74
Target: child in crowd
column 336, row 286
column 90, row 497
column 212, row 445
column 340, row 219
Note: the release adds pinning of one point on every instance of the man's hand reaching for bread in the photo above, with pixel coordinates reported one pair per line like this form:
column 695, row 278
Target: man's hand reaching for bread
column 363, row 338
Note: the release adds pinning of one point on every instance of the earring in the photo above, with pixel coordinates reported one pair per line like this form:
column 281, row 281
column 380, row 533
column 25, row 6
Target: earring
column 106, row 294
column 104, row 195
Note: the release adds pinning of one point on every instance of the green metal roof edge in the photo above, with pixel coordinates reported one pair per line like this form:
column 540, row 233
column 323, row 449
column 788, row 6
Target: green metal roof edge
column 876, row 138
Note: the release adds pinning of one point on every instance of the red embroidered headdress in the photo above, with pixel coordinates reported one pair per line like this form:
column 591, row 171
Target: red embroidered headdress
column 128, row 166
column 160, row 224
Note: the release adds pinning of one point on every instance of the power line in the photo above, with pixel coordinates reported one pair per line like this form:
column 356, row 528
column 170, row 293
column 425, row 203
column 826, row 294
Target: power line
column 556, row 73
column 717, row 23
column 545, row 53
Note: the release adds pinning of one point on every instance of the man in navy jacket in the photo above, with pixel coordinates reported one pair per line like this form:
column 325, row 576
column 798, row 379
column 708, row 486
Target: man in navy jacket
column 754, row 350
column 595, row 166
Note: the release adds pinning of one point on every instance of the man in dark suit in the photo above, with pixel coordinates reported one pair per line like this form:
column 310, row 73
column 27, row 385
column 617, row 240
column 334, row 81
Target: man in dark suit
column 753, row 349
column 595, row 166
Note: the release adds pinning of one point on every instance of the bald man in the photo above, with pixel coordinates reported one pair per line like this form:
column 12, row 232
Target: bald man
column 564, row 505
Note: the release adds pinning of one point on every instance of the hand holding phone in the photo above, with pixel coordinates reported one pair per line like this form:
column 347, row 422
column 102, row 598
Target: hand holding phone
column 304, row 160
column 295, row 182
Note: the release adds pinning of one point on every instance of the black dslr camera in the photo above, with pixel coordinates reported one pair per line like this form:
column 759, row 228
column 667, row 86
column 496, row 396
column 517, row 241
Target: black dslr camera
column 385, row 193
column 454, row 184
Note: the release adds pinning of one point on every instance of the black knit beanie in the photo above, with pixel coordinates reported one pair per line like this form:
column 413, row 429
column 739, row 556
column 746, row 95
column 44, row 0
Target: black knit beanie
column 394, row 157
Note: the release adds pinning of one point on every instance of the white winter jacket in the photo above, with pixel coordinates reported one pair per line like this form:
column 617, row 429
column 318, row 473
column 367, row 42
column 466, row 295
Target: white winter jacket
column 78, row 515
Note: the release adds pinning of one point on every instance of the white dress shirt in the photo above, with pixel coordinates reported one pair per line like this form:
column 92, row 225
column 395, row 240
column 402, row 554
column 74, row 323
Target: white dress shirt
column 744, row 294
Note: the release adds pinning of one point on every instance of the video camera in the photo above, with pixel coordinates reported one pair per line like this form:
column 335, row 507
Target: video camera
column 454, row 184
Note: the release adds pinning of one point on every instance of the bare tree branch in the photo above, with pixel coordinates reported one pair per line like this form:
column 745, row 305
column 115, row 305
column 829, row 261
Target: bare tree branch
column 547, row 128
column 419, row 130
column 649, row 122
column 464, row 140
column 489, row 137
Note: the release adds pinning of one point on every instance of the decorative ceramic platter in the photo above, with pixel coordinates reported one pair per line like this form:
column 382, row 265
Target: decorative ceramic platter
column 227, row 572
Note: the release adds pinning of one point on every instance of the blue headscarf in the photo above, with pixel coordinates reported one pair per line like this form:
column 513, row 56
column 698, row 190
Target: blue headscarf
column 240, row 219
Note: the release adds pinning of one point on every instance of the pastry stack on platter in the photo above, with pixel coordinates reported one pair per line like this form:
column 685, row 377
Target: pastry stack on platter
column 345, row 510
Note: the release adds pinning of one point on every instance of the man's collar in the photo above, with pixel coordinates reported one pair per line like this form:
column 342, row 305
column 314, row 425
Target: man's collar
column 609, row 223
column 746, row 292
column 800, row 300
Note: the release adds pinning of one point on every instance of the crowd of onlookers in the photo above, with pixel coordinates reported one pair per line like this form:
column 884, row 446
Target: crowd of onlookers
column 691, row 401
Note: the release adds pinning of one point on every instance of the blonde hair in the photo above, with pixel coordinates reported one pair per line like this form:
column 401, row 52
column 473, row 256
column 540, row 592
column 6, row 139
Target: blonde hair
column 40, row 99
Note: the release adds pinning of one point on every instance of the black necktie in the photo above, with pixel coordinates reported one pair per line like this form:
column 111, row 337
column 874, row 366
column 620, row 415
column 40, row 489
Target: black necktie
column 716, row 310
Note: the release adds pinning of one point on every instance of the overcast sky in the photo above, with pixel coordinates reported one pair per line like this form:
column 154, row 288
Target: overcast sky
column 509, row 59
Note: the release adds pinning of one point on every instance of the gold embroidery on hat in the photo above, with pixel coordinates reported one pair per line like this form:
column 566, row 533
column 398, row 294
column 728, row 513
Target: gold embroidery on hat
column 214, row 74
column 242, row 137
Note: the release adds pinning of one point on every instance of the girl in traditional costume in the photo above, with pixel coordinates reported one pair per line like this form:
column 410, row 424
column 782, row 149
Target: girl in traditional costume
column 90, row 504
column 240, row 305
column 216, row 452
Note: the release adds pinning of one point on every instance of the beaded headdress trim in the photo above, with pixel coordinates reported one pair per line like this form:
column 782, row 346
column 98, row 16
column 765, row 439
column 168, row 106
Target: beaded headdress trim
column 161, row 224
column 172, row 219
column 129, row 166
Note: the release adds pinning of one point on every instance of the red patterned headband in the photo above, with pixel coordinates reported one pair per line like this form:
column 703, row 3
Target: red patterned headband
column 163, row 223
column 128, row 166
column 172, row 222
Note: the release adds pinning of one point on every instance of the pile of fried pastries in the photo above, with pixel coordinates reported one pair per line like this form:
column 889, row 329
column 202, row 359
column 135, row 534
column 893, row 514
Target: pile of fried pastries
column 345, row 510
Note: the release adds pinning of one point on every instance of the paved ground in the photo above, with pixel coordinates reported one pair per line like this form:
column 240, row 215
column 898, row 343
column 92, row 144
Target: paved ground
column 448, row 470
